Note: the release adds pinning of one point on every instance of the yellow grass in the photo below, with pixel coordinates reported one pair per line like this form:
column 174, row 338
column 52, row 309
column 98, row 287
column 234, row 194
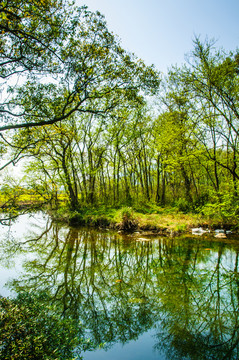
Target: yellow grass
column 175, row 222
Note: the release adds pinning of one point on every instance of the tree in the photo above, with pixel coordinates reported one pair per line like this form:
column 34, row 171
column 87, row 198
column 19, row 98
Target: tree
column 174, row 138
column 81, row 67
column 30, row 33
column 213, row 82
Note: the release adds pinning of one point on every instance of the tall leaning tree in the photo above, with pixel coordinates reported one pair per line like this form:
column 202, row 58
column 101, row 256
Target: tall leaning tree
column 59, row 61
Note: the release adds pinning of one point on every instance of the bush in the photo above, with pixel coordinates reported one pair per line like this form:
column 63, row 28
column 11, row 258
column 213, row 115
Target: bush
column 225, row 206
column 76, row 219
column 183, row 205
column 129, row 223
column 200, row 201
column 30, row 329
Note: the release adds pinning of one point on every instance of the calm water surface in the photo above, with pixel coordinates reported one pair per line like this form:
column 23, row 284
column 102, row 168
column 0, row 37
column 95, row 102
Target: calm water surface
column 136, row 297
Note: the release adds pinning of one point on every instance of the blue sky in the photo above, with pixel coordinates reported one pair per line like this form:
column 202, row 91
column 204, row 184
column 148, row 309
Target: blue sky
column 161, row 31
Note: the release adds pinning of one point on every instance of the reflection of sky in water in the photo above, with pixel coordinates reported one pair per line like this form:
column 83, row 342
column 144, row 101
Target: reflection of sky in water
column 23, row 224
column 11, row 264
column 11, row 270
column 227, row 262
column 7, row 274
column 141, row 349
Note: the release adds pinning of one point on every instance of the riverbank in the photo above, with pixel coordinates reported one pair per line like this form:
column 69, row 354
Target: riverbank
column 155, row 219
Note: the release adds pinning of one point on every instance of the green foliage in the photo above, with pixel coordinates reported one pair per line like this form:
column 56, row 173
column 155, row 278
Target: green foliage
column 31, row 329
column 128, row 222
column 149, row 208
column 97, row 217
column 30, row 33
column 127, row 212
column 181, row 228
column 225, row 206
column 183, row 205
column 84, row 67
column 200, row 201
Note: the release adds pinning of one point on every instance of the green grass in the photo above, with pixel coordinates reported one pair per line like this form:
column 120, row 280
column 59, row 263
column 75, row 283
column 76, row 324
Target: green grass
column 155, row 218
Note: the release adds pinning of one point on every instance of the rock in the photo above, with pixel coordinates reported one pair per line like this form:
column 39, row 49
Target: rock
column 219, row 231
column 220, row 236
column 199, row 231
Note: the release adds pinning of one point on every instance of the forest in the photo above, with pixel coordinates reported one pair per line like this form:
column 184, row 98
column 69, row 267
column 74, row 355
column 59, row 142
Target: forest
column 91, row 125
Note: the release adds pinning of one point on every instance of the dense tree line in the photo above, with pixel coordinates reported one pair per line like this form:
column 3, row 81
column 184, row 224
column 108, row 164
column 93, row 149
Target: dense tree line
column 78, row 112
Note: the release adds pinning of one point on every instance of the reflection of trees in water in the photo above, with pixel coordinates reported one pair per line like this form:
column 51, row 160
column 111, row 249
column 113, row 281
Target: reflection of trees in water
column 202, row 315
column 119, row 287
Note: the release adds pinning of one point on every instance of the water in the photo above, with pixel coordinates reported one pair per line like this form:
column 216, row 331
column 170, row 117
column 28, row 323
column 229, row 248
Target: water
column 157, row 298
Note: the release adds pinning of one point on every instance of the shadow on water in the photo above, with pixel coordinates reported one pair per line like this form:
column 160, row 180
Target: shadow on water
column 182, row 294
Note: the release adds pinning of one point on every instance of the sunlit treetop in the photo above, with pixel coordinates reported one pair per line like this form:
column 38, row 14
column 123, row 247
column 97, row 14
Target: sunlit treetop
column 72, row 62
column 30, row 33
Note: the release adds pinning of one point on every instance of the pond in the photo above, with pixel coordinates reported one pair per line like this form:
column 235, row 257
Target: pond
column 134, row 296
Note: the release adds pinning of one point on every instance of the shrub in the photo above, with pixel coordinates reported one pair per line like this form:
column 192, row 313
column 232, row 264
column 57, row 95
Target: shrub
column 225, row 206
column 30, row 329
column 76, row 219
column 183, row 205
column 129, row 223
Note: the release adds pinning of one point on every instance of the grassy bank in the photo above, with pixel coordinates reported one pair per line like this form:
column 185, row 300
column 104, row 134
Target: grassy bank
column 150, row 218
